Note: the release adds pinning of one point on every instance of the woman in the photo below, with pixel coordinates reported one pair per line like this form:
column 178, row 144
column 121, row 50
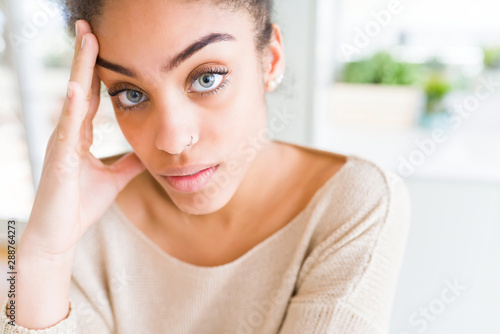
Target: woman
column 207, row 226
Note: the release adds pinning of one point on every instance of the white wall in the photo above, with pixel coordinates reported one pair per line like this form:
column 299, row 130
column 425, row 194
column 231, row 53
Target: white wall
column 453, row 237
column 308, row 52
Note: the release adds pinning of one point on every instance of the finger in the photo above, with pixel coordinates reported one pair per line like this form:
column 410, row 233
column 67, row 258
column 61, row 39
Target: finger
column 126, row 168
column 83, row 72
column 66, row 128
column 93, row 106
column 77, row 102
column 51, row 141
column 81, row 28
column 70, row 121
column 49, row 150
column 96, row 95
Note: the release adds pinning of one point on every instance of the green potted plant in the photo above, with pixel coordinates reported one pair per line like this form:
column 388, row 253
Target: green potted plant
column 491, row 57
column 436, row 88
column 491, row 61
column 381, row 69
column 379, row 91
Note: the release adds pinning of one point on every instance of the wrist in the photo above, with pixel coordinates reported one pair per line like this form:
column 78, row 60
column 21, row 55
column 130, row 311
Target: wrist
column 31, row 251
column 42, row 290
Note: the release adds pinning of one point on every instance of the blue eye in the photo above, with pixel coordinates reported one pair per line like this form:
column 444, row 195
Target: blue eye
column 130, row 97
column 206, row 82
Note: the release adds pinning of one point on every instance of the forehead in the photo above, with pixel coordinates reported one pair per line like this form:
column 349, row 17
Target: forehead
column 153, row 30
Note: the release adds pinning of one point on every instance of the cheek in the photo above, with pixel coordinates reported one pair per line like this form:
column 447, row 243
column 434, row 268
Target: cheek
column 135, row 136
column 246, row 104
column 240, row 116
column 235, row 129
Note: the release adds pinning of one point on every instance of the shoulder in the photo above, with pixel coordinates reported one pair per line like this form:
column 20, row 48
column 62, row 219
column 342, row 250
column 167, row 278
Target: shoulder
column 364, row 179
column 357, row 240
column 361, row 182
column 347, row 180
column 361, row 197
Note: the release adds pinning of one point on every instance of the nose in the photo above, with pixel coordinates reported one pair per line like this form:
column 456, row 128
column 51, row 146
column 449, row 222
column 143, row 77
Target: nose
column 175, row 128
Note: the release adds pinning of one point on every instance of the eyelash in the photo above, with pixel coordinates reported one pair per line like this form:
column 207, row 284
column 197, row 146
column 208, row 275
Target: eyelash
column 206, row 70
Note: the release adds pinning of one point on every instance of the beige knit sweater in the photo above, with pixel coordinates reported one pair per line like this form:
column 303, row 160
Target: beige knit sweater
column 331, row 269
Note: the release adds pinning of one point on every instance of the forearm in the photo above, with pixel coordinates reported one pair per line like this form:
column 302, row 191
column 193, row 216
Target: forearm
column 42, row 289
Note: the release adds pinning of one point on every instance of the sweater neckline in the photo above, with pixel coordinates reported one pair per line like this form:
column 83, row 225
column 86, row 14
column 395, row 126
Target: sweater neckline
column 226, row 266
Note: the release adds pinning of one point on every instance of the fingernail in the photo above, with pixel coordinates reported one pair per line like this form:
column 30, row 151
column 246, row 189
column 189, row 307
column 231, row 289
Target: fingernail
column 76, row 28
column 70, row 91
column 83, row 42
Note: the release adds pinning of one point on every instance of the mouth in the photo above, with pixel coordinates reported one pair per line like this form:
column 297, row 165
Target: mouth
column 190, row 182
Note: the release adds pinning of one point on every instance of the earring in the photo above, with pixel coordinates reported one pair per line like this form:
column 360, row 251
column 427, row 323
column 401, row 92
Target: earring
column 279, row 79
column 272, row 84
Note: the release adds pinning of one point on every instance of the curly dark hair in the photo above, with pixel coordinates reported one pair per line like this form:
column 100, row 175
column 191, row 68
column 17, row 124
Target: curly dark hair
column 260, row 10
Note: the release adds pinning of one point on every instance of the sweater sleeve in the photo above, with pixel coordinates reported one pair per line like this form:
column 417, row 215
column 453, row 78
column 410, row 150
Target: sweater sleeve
column 8, row 326
column 83, row 317
column 348, row 283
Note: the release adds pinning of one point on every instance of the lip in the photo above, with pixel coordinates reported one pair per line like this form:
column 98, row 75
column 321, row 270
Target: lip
column 188, row 170
column 190, row 183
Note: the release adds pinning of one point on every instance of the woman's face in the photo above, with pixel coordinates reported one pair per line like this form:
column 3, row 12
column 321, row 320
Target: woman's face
column 167, row 90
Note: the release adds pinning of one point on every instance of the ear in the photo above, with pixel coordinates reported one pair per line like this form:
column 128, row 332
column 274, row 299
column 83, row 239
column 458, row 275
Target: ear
column 274, row 62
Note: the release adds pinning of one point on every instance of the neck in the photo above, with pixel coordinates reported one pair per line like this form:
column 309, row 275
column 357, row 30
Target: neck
column 255, row 189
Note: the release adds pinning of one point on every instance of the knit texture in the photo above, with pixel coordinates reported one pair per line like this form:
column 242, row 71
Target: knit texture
column 332, row 269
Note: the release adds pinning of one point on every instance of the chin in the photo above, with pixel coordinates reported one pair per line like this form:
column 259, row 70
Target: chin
column 211, row 198
column 202, row 204
column 205, row 209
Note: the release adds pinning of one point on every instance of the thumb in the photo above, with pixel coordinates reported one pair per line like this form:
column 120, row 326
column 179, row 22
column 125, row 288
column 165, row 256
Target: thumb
column 126, row 168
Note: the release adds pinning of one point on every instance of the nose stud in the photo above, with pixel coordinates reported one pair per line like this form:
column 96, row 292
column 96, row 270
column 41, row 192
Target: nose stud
column 191, row 143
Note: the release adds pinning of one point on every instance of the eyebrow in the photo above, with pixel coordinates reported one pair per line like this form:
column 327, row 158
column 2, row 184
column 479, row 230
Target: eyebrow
column 175, row 61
